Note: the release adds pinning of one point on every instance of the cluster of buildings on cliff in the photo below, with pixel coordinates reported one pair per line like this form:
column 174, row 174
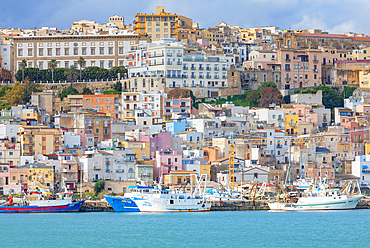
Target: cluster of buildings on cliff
column 146, row 136
column 218, row 61
column 143, row 134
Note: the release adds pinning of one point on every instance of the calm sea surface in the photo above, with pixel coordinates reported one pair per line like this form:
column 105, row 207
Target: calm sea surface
column 209, row 229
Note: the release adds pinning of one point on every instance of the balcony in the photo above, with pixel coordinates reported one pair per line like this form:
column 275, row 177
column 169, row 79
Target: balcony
column 192, row 76
column 366, row 171
column 69, row 171
column 200, row 76
column 208, row 76
column 179, row 55
column 223, row 77
column 184, row 76
column 287, row 68
column 216, row 68
column 201, row 67
column 185, row 68
column 120, row 171
column 167, row 163
column 279, row 146
column 224, row 68
column 169, row 62
column 287, row 79
column 315, row 70
column 216, row 76
column 179, row 62
column 316, row 61
column 287, row 60
column 192, row 68
column 169, row 54
column 69, row 179
column 97, row 167
column 160, row 63
column 208, row 68
column 156, row 55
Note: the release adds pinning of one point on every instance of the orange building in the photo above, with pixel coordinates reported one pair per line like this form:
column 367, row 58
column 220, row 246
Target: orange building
column 211, row 153
column 109, row 104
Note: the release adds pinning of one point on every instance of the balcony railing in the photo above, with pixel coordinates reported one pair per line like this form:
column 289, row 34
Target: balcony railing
column 216, row 76
column 167, row 163
column 315, row 60
column 179, row 62
column 316, row 70
column 288, row 79
column 193, row 68
column 201, row 67
column 287, row 68
column 216, row 68
column 179, row 55
column 208, row 68
column 97, row 167
column 224, row 68
column 208, row 76
column 169, row 54
column 169, row 62
column 185, row 67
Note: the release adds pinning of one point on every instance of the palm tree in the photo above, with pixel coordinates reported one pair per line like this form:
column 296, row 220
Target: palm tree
column 52, row 65
column 71, row 74
column 23, row 65
column 81, row 62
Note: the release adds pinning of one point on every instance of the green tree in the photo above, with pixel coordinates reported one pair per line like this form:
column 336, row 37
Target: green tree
column 265, row 85
column 99, row 186
column 71, row 74
column 15, row 95
column 251, row 97
column 94, row 72
column 67, row 91
column 29, row 88
column 87, row 91
column 23, row 65
column 81, row 62
column 118, row 86
column 4, row 89
column 52, row 66
column 117, row 72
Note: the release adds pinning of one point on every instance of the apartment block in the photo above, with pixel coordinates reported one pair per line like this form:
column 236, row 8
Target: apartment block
column 109, row 104
column 176, row 106
column 158, row 25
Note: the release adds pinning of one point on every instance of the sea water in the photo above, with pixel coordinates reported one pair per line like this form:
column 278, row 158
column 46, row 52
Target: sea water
column 204, row 229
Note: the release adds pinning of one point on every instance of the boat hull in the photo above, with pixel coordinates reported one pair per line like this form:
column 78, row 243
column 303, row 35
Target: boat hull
column 166, row 205
column 120, row 204
column 344, row 204
column 70, row 207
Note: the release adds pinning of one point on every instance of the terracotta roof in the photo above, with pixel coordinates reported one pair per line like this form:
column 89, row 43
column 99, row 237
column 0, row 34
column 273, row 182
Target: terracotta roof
column 352, row 61
column 341, row 36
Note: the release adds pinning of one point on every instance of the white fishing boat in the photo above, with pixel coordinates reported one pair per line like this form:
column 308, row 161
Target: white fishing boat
column 148, row 199
column 320, row 199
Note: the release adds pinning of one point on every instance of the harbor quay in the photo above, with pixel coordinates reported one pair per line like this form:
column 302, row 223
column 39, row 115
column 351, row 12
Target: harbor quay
column 103, row 206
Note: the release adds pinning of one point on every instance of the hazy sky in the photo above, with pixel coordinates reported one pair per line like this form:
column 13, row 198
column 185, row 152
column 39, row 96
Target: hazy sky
column 334, row 16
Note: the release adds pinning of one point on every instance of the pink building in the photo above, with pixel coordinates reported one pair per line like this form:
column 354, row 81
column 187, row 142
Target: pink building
column 4, row 179
column 88, row 137
column 159, row 141
column 356, row 136
column 260, row 60
column 304, row 112
column 299, row 67
column 68, row 170
column 166, row 161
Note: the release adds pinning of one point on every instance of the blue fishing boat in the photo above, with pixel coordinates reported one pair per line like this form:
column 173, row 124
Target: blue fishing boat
column 126, row 204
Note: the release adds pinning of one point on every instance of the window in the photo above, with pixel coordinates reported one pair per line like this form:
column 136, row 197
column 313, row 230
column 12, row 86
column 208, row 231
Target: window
column 84, row 51
column 20, row 52
column 75, row 51
column 158, row 30
column 101, row 50
column 29, row 52
column 41, row 51
column 66, row 51
column 58, row 51
column 110, row 50
column 92, row 51
column 97, row 130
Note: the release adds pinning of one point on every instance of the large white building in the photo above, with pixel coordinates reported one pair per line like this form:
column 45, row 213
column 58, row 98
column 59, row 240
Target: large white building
column 361, row 168
column 181, row 68
column 103, row 51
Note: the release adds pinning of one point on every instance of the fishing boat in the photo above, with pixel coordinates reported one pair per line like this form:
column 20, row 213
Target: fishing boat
column 36, row 201
column 319, row 198
column 150, row 199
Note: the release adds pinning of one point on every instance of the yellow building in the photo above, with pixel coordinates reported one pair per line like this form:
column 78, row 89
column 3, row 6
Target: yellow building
column 291, row 124
column 359, row 54
column 141, row 148
column 180, row 176
column 40, row 140
column 367, row 148
column 157, row 26
column 363, row 79
column 41, row 173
